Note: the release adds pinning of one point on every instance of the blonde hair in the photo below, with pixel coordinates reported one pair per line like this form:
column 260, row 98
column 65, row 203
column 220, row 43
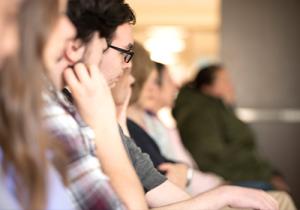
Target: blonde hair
column 23, row 141
column 142, row 65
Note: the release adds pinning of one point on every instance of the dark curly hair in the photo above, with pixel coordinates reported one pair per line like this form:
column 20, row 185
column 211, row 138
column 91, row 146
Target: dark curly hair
column 103, row 16
column 206, row 76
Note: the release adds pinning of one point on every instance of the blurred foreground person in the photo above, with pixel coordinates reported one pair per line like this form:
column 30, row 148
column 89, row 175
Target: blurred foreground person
column 29, row 168
column 8, row 46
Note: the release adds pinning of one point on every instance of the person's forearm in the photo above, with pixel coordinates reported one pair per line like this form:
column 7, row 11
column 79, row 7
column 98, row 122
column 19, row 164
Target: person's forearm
column 225, row 196
column 117, row 167
column 165, row 194
column 168, row 196
column 211, row 200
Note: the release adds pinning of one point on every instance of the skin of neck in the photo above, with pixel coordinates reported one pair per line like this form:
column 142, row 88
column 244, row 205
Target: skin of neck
column 155, row 107
column 136, row 113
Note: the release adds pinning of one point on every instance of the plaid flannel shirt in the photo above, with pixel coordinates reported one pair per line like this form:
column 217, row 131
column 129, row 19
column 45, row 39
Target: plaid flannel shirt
column 89, row 186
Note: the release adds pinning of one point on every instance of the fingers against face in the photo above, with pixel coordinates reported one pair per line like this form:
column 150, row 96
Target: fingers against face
column 82, row 73
column 78, row 79
column 71, row 79
column 96, row 73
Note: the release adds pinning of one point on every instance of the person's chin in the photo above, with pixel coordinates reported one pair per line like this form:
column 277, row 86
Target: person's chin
column 112, row 85
column 3, row 61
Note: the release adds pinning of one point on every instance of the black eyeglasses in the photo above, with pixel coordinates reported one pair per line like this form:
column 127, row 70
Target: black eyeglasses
column 128, row 54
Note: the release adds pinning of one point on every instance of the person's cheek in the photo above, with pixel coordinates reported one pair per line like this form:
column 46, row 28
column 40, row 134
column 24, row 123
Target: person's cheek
column 10, row 42
column 131, row 80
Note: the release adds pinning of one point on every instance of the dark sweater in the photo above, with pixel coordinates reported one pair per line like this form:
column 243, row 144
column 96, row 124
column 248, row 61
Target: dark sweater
column 146, row 143
column 217, row 139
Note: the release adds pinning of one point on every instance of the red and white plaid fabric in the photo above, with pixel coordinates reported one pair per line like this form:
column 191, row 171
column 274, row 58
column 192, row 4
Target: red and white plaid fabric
column 89, row 186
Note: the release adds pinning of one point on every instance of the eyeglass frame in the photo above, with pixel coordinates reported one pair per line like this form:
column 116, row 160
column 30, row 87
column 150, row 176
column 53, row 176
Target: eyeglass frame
column 127, row 53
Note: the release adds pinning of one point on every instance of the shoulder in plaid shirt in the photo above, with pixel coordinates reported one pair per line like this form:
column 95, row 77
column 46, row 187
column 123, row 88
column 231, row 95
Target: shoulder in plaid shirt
column 89, row 187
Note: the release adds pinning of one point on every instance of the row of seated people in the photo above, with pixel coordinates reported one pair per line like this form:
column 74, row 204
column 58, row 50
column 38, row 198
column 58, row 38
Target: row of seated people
column 219, row 141
column 155, row 91
column 65, row 85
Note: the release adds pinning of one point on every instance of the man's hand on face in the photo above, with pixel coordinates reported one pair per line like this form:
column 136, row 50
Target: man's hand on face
column 91, row 93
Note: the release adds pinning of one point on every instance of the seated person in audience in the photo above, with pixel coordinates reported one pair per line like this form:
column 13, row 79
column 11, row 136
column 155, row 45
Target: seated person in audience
column 86, row 84
column 166, row 193
column 93, row 102
column 29, row 177
column 111, row 64
column 89, row 130
column 217, row 139
column 147, row 99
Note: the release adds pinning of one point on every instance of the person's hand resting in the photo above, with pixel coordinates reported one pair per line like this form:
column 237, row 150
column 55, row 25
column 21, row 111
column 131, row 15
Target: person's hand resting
column 240, row 197
column 176, row 173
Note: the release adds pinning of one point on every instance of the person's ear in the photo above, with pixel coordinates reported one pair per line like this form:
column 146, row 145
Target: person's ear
column 208, row 89
column 74, row 51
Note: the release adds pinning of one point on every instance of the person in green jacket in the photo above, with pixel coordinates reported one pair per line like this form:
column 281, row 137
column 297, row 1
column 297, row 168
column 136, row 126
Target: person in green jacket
column 217, row 139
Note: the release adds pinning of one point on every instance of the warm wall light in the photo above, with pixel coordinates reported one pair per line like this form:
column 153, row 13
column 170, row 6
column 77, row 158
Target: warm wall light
column 163, row 57
column 164, row 43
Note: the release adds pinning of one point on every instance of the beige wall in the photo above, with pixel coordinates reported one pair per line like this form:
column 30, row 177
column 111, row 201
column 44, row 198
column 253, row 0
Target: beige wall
column 260, row 46
column 197, row 20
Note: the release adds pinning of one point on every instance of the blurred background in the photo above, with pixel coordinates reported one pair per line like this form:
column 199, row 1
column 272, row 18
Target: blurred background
column 258, row 41
column 180, row 33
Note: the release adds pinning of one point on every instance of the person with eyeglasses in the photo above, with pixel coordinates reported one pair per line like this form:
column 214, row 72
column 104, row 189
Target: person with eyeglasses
column 159, row 192
column 88, row 127
column 128, row 53
column 94, row 117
